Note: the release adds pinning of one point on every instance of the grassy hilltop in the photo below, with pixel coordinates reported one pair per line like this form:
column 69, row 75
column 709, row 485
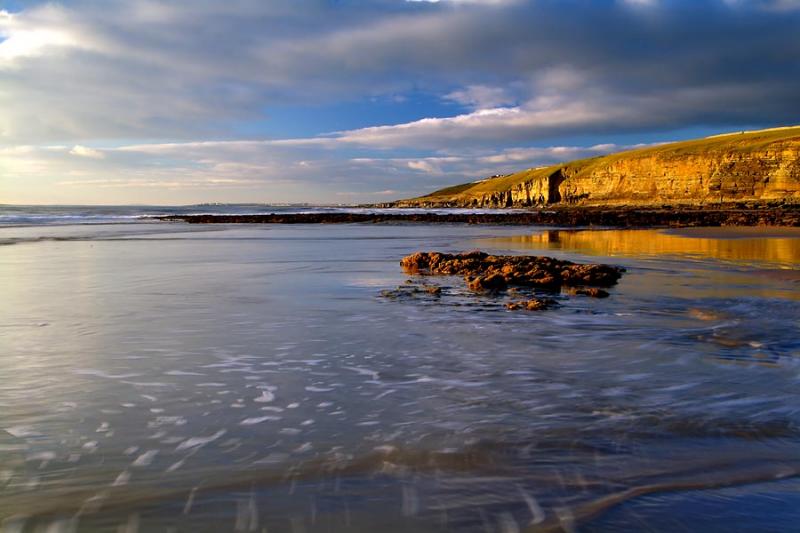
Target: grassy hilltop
column 742, row 166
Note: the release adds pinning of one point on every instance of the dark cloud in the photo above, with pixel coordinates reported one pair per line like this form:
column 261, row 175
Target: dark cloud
column 146, row 68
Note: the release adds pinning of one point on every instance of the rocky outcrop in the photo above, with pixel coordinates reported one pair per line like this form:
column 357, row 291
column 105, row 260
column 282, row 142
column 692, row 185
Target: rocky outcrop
column 493, row 274
column 759, row 166
column 735, row 215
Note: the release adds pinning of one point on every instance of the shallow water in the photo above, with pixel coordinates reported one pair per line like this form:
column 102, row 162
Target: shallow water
column 163, row 377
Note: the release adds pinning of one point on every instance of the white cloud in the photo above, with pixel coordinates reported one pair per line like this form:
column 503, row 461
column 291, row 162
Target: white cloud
column 30, row 43
column 191, row 183
column 481, row 97
column 547, row 155
column 27, row 37
column 253, row 171
column 386, row 192
column 546, row 114
column 424, row 166
column 83, row 151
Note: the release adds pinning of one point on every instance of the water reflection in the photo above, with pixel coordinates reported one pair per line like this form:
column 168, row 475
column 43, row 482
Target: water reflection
column 779, row 247
column 252, row 378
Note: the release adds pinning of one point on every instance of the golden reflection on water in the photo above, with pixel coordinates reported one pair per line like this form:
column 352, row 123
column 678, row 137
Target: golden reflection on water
column 779, row 247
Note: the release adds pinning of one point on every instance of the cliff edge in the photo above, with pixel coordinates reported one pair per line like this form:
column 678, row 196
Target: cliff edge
column 760, row 166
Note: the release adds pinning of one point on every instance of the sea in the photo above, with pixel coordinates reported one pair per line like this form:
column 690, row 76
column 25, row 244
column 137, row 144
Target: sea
column 165, row 376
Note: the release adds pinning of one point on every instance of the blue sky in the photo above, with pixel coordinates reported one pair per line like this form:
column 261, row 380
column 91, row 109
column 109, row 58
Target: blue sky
column 150, row 101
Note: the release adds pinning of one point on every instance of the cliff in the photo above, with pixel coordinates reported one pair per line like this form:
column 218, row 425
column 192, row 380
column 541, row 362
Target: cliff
column 760, row 166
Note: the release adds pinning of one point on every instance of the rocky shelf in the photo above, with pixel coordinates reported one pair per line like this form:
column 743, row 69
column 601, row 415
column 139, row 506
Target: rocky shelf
column 746, row 215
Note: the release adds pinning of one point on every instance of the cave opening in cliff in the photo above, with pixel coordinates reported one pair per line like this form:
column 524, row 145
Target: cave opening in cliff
column 553, row 182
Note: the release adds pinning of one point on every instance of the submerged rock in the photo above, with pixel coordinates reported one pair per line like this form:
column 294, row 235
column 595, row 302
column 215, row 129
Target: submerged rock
column 434, row 290
column 706, row 315
column 593, row 292
column 411, row 289
column 534, row 304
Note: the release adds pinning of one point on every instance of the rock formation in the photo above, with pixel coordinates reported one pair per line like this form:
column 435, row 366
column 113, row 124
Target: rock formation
column 761, row 166
column 493, row 274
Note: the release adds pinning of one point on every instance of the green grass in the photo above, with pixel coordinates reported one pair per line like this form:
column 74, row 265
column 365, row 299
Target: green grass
column 450, row 191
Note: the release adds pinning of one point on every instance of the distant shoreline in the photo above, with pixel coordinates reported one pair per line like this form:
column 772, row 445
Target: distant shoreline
column 574, row 216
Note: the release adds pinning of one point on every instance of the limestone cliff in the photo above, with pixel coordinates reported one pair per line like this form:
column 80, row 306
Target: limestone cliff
column 759, row 166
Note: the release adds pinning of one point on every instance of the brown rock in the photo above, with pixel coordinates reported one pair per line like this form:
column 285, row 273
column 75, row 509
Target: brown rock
column 484, row 271
column 491, row 273
column 534, row 304
column 593, row 292
column 415, row 262
column 474, row 254
column 435, row 290
column 602, row 275
column 489, row 282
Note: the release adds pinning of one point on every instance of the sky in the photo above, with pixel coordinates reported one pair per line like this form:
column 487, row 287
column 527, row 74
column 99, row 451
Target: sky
column 356, row 101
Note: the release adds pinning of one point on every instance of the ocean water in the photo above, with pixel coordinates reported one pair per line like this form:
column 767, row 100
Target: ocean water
column 113, row 214
column 172, row 377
